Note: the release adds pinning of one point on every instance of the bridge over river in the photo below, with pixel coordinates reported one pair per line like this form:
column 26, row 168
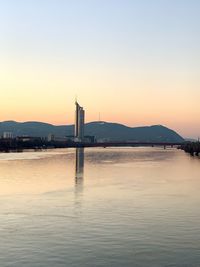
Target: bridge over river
column 127, row 144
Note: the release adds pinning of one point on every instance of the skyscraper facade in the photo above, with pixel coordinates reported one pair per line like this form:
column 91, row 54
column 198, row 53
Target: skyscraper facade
column 79, row 123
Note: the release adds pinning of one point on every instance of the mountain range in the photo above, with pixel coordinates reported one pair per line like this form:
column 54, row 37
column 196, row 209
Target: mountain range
column 101, row 130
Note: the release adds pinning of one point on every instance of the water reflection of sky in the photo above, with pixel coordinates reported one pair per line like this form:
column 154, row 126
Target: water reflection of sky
column 100, row 207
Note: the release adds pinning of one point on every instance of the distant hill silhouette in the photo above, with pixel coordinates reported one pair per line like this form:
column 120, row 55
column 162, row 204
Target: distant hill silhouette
column 102, row 130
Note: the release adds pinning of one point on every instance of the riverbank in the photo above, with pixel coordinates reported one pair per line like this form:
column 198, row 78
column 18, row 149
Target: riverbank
column 193, row 148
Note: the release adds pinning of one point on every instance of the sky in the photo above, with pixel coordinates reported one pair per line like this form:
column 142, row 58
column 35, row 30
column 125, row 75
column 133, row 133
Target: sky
column 137, row 62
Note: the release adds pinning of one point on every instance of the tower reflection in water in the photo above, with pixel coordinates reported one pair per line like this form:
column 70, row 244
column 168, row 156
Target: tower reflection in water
column 79, row 172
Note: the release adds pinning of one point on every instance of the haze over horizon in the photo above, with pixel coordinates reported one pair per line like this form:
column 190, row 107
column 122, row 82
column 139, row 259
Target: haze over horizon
column 136, row 62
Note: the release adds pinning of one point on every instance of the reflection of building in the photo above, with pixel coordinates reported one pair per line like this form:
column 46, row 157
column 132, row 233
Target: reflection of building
column 79, row 169
column 79, row 163
column 79, row 123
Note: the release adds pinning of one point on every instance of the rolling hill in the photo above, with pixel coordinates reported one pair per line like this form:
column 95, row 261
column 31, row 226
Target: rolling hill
column 101, row 130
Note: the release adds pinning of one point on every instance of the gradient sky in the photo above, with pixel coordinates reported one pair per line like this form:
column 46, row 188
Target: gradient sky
column 135, row 61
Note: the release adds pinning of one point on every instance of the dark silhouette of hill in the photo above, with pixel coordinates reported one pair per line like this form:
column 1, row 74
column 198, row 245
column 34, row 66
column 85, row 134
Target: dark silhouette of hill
column 102, row 130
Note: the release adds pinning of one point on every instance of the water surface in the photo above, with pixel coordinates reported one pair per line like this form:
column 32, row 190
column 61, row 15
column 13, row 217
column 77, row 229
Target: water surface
column 100, row 207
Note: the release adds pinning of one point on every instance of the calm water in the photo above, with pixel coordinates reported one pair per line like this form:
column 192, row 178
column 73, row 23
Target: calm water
column 115, row 207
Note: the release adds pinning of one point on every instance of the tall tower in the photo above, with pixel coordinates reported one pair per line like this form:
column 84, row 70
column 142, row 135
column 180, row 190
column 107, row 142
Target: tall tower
column 79, row 123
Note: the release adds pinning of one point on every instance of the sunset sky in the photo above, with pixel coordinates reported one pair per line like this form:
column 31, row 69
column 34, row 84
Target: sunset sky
column 135, row 61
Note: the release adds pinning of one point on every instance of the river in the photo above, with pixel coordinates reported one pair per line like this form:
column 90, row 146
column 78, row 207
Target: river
column 113, row 207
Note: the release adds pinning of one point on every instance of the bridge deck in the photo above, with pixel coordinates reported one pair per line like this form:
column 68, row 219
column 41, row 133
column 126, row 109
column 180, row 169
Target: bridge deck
column 126, row 144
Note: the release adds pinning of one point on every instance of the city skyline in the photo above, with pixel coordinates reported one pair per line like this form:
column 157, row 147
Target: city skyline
column 136, row 62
